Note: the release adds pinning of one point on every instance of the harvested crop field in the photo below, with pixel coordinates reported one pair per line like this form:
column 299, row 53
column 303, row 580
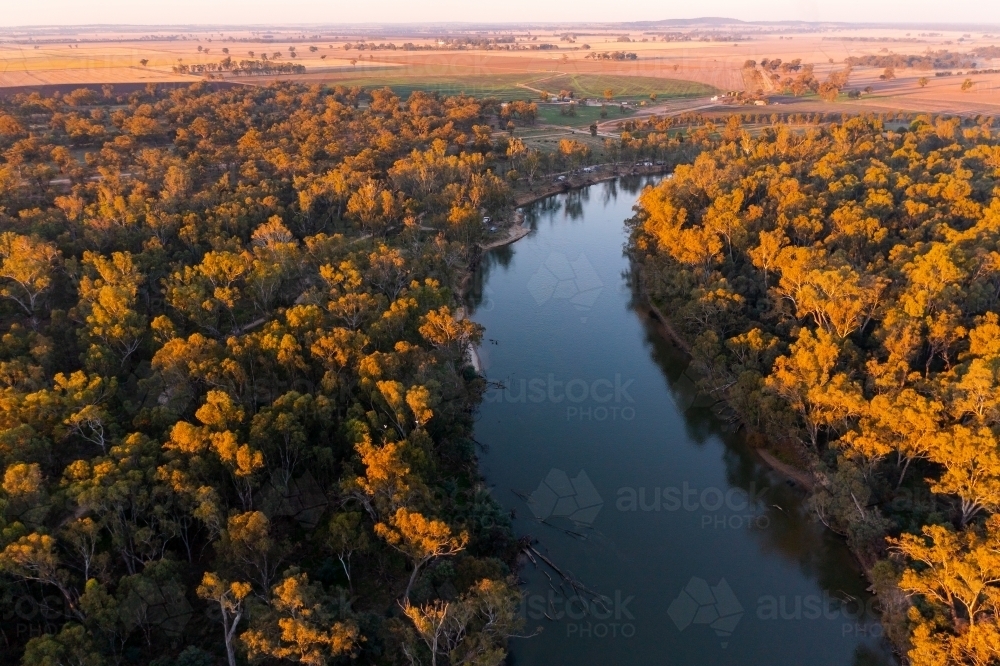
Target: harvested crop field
column 22, row 65
column 637, row 64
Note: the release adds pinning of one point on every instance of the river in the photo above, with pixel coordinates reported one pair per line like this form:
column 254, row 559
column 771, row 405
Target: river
column 683, row 547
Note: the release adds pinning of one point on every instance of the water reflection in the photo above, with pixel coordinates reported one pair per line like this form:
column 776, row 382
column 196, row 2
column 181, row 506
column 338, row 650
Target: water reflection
column 605, row 500
column 814, row 550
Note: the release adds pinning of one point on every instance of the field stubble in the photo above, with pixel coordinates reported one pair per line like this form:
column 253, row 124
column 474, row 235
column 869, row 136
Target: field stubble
column 667, row 69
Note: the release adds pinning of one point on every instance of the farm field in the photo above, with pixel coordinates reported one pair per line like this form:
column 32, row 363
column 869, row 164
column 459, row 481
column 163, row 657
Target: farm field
column 526, row 85
column 550, row 60
column 550, row 114
column 504, row 78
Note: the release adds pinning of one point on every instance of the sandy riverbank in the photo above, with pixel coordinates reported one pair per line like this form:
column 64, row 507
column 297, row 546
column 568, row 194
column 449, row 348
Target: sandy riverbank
column 514, row 234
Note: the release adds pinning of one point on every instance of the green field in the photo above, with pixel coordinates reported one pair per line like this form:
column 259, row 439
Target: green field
column 627, row 87
column 506, row 86
column 585, row 115
column 503, row 86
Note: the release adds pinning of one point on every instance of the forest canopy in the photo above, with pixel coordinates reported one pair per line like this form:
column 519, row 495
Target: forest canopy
column 235, row 400
column 840, row 289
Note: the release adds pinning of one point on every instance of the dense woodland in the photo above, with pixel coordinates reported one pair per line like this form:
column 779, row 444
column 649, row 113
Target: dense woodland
column 842, row 284
column 235, row 404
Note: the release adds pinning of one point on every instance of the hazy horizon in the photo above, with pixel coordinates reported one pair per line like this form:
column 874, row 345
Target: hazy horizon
column 190, row 13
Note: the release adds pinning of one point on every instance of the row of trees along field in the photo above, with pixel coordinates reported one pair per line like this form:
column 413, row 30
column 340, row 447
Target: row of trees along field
column 235, row 405
column 842, row 284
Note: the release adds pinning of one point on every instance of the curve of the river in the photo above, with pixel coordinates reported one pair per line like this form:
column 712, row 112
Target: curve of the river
column 661, row 538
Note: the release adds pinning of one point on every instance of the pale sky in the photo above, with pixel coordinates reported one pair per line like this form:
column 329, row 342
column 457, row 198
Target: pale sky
column 276, row 12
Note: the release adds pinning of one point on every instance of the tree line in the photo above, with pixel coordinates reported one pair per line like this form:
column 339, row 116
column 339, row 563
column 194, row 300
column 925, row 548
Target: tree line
column 927, row 61
column 243, row 67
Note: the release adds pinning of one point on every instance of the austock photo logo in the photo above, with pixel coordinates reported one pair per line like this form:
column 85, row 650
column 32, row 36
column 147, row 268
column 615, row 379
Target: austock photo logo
column 858, row 618
column 558, row 496
column 603, row 399
column 578, row 499
column 560, row 278
column 152, row 605
column 713, row 605
column 732, row 508
column 718, row 607
column 584, row 616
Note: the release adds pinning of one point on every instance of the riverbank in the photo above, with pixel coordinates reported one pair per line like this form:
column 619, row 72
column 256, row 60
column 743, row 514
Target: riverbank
column 802, row 477
column 579, row 181
column 571, row 182
column 519, row 229
column 667, row 327
column 516, row 232
column 805, row 478
column 667, row 331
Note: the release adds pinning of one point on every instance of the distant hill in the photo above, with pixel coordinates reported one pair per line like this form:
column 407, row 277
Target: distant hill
column 705, row 20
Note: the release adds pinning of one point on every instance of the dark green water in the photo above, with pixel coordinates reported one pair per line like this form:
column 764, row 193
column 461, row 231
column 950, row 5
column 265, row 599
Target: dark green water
column 691, row 550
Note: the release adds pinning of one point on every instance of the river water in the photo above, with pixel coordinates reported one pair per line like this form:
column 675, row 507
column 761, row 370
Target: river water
column 682, row 546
